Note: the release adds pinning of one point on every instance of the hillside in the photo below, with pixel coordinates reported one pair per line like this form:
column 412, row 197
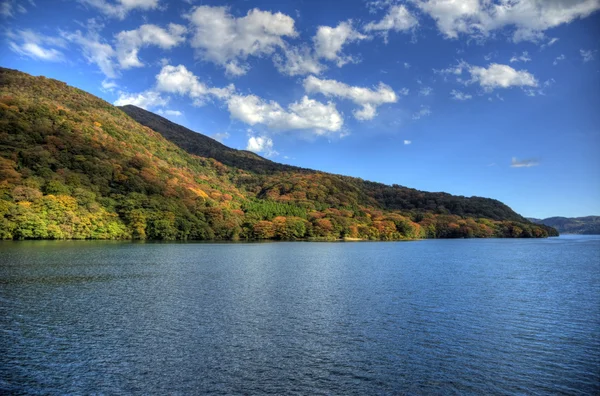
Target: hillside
column 367, row 193
column 74, row 166
column 589, row 225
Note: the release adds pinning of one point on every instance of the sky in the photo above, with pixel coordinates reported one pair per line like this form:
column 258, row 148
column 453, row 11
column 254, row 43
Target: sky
column 492, row 98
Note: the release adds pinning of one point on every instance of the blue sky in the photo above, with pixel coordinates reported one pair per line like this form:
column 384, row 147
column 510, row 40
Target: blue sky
column 494, row 98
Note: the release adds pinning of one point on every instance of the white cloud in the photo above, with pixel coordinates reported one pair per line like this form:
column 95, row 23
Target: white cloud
column 220, row 136
column 424, row 111
column 407, row 142
column 109, row 86
column 328, row 42
column 524, row 57
column 406, row 65
column 298, row 61
column 145, row 100
column 494, row 76
column 528, row 19
column 306, row 114
column 95, row 50
column 9, row 8
column 120, row 8
column 404, row 91
column 398, row 18
column 35, row 51
column 36, row 46
column 527, row 163
column 550, row 42
column 261, row 144
column 179, row 80
column 587, row 55
column 369, row 99
column 425, row 91
column 458, row 95
column 224, row 39
column 129, row 42
column 559, row 58
column 501, row 76
column 167, row 112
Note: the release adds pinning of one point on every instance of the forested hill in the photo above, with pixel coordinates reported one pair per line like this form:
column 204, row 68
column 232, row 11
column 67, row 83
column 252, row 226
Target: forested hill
column 204, row 146
column 389, row 197
column 75, row 166
column 588, row 225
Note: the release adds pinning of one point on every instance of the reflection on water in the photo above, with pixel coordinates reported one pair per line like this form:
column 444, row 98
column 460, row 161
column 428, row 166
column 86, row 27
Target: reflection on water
column 451, row 316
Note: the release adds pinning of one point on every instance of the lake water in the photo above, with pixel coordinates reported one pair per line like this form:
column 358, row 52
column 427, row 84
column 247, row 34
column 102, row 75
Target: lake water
column 436, row 316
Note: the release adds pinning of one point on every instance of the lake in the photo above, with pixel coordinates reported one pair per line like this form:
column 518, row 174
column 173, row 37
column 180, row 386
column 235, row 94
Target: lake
column 482, row 316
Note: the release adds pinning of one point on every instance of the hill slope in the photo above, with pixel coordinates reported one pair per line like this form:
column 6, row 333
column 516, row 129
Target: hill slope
column 74, row 166
column 588, row 225
column 368, row 193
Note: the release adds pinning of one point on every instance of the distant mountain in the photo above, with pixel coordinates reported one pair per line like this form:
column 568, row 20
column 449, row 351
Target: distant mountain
column 73, row 166
column 589, row 225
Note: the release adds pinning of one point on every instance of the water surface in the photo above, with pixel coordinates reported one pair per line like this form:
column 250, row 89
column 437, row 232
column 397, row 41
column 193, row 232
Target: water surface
column 435, row 316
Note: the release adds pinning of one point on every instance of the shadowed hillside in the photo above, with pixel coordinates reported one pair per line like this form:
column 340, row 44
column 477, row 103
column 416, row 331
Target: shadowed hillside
column 74, row 166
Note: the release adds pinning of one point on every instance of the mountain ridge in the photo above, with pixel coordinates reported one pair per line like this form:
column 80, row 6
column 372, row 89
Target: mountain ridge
column 193, row 142
column 585, row 225
column 73, row 166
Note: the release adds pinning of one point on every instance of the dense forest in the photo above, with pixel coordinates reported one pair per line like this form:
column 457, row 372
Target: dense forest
column 73, row 166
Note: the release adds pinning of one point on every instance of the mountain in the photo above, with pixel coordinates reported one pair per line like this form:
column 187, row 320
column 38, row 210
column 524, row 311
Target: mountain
column 589, row 225
column 75, row 166
column 368, row 193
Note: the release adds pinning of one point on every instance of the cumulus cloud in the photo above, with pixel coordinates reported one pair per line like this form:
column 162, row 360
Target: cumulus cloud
column 328, row 42
column 368, row 99
column 407, row 142
column 397, row 19
column 261, row 144
column 528, row 19
column 145, row 100
column 587, row 55
column 424, row 111
column 33, row 45
column 526, row 163
column 129, row 42
column 501, row 76
column 298, row 61
column 120, row 8
column 225, row 40
column 458, row 95
column 306, row 114
column 179, row 80
column 491, row 77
